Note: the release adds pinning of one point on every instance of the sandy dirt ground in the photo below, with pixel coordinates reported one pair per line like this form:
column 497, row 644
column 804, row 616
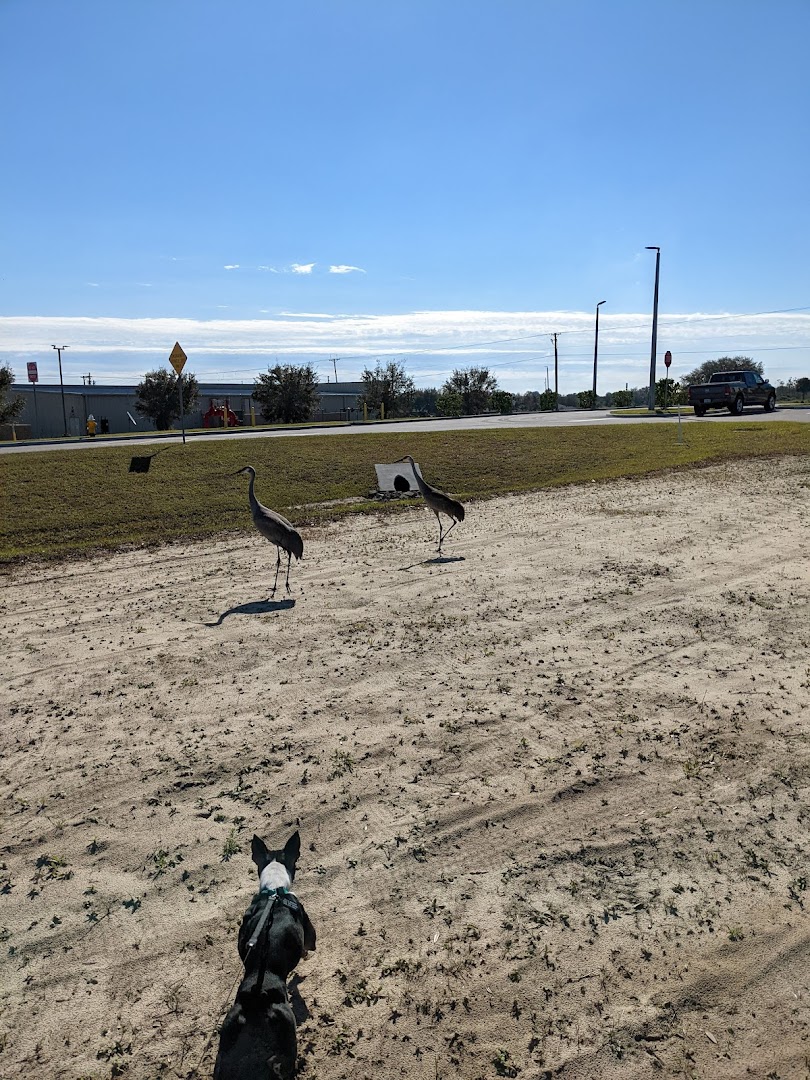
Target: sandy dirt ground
column 552, row 790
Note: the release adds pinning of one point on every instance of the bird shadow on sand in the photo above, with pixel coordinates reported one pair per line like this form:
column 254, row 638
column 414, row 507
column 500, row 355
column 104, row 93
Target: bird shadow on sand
column 255, row 607
column 438, row 561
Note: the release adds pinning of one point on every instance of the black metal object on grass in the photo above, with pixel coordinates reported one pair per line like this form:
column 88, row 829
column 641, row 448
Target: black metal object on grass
column 141, row 464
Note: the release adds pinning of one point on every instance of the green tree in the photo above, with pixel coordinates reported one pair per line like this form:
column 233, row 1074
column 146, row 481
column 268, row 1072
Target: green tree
column 158, row 397
column 475, row 385
column 621, row 399
column 668, row 392
column 548, row 401
column 287, row 393
column 10, row 409
column 530, row 401
column 586, row 399
column 449, row 403
column 424, row 401
column 503, row 401
column 724, row 363
column 803, row 386
column 390, row 386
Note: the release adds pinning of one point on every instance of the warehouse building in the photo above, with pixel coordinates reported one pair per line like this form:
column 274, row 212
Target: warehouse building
column 50, row 410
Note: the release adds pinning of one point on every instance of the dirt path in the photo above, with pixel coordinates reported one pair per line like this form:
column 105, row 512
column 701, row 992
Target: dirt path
column 552, row 791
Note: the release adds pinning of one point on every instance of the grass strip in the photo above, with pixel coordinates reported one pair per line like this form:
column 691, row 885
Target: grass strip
column 63, row 503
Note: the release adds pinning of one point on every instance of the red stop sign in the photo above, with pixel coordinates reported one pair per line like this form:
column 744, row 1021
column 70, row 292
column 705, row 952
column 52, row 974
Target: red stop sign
column 668, row 358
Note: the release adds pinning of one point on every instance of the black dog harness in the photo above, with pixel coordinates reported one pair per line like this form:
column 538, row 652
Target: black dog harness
column 269, row 898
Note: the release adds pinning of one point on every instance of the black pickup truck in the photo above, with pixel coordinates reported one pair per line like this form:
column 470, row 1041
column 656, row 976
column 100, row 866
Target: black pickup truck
column 731, row 390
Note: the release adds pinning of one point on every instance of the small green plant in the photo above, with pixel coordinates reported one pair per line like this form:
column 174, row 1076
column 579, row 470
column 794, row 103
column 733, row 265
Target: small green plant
column 504, row 1065
column 341, row 1044
column 231, row 846
column 115, row 1050
column 797, row 886
column 359, row 993
column 342, row 763
column 52, row 868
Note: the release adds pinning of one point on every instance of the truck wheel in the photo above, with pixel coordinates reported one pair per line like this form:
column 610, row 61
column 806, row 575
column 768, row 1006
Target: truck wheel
column 699, row 410
column 736, row 409
column 770, row 404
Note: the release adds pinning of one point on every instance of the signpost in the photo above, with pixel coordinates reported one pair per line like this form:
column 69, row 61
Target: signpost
column 33, row 378
column 178, row 359
column 667, row 362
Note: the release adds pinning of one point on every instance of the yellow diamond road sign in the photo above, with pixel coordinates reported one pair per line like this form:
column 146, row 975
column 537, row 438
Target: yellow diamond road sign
column 177, row 358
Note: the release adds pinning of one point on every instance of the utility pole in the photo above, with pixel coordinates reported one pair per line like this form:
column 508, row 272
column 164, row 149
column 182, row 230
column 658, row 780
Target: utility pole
column 59, row 349
column 651, row 394
column 556, row 387
column 334, row 361
column 595, row 349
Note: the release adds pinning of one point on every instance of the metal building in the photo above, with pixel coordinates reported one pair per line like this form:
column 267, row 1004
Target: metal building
column 113, row 407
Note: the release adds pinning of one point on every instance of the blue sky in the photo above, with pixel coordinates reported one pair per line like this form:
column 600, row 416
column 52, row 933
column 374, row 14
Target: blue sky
column 300, row 180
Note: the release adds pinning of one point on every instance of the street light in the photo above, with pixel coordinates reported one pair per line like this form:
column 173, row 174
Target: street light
column 595, row 350
column 61, row 384
column 651, row 395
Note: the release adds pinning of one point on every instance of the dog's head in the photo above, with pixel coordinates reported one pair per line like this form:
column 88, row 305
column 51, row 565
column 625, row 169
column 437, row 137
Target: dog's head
column 276, row 868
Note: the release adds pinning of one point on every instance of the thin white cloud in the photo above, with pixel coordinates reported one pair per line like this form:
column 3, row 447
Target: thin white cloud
column 268, row 269
column 515, row 344
column 231, row 266
column 310, row 315
column 344, row 269
column 94, row 284
column 302, row 268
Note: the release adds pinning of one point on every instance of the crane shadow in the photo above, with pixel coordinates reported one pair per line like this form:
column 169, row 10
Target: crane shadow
column 438, row 561
column 254, row 607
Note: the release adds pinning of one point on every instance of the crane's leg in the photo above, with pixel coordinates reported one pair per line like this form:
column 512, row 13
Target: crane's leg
column 278, row 564
column 451, row 528
column 287, row 583
column 440, row 531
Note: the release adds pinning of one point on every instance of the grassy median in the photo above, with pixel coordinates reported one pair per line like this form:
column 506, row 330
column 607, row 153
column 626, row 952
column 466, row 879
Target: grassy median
column 64, row 503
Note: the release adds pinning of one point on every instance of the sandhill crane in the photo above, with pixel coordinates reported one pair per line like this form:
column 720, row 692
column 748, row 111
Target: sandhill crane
column 276, row 528
column 438, row 502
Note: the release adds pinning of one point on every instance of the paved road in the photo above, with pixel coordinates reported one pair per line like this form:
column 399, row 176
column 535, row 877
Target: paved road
column 518, row 420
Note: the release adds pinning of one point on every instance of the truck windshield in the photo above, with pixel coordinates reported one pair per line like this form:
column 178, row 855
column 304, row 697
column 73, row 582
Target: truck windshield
column 727, row 376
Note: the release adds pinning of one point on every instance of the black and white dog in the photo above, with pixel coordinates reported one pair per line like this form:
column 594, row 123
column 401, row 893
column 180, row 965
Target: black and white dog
column 288, row 935
column 258, row 1040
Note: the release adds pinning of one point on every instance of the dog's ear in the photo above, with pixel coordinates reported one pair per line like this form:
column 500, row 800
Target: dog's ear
column 260, row 853
column 292, row 849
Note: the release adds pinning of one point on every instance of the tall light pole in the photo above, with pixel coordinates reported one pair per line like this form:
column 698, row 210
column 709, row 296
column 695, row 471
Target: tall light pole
column 61, row 384
column 651, row 395
column 595, row 350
